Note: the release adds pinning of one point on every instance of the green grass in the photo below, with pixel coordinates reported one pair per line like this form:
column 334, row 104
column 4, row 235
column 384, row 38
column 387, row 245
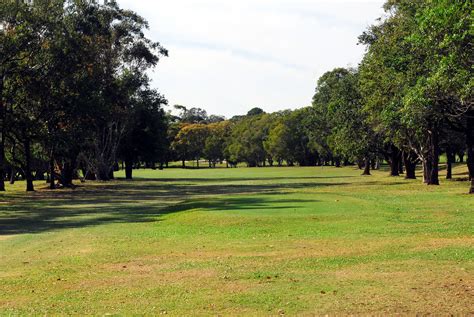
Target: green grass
column 239, row 242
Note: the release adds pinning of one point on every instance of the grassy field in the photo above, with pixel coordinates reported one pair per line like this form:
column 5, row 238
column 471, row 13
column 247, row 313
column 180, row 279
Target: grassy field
column 267, row 241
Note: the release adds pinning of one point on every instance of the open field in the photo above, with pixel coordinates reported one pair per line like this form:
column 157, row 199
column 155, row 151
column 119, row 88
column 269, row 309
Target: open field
column 263, row 241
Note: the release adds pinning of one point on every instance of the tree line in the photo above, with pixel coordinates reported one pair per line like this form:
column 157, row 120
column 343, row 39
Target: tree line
column 73, row 91
column 408, row 102
column 75, row 98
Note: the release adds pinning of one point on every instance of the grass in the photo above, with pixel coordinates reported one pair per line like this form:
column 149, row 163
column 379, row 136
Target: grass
column 267, row 241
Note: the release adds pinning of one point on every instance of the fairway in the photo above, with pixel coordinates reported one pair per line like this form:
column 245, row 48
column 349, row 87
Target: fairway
column 262, row 241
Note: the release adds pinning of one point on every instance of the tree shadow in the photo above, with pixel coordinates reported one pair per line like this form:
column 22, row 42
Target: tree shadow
column 237, row 179
column 136, row 202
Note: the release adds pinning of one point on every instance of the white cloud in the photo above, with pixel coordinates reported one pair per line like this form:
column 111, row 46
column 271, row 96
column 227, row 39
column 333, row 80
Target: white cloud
column 228, row 56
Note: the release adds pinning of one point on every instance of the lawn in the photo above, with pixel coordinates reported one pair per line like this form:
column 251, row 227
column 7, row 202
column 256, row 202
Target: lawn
column 268, row 241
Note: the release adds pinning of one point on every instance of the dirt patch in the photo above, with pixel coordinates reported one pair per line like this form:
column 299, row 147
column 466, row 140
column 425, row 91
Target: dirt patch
column 439, row 243
column 6, row 237
column 409, row 287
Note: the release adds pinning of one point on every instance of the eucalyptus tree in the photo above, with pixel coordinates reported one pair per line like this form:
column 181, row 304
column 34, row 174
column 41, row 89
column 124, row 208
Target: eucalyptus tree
column 190, row 142
column 216, row 141
column 24, row 36
column 444, row 34
column 121, row 52
column 145, row 136
column 14, row 38
column 249, row 134
column 416, row 76
column 338, row 99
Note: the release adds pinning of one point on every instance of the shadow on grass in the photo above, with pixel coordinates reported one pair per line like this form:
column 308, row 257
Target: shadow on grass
column 237, row 179
column 137, row 201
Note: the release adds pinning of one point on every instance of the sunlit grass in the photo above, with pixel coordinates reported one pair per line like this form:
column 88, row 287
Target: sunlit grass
column 239, row 241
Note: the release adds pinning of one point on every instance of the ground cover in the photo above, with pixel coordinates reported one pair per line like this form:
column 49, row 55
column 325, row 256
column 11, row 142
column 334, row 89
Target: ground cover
column 262, row 241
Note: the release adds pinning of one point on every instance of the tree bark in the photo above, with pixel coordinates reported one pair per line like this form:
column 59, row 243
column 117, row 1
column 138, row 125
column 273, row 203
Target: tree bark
column 68, row 172
column 39, row 175
column 2, row 137
column 470, row 148
column 400, row 164
column 425, row 172
column 128, row 169
column 103, row 173
column 366, row 167
column 409, row 159
column 394, row 161
column 450, row 159
column 28, row 175
column 51, row 171
column 433, row 159
column 184, row 163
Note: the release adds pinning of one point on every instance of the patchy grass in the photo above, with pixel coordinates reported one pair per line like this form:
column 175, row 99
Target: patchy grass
column 263, row 241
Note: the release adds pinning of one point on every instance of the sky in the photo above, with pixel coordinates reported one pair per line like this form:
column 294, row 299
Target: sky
column 230, row 56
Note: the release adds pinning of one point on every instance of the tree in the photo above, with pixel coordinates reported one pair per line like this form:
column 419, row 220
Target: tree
column 278, row 144
column 255, row 111
column 192, row 115
column 247, row 139
column 215, row 144
column 338, row 99
column 416, row 75
column 190, row 142
column 145, row 137
column 20, row 29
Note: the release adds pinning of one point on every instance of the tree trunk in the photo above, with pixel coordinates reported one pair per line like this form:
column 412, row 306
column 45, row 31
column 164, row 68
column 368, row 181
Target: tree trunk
column 425, row 172
column 51, row 171
column 103, row 173
column 39, row 175
column 450, row 159
column 400, row 165
column 128, row 169
column 433, row 159
column 409, row 159
column 28, row 175
column 394, row 161
column 184, row 163
column 366, row 167
column 470, row 148
column 2, row 137
column 197, row 163
column 67, row 172
column 12, row 176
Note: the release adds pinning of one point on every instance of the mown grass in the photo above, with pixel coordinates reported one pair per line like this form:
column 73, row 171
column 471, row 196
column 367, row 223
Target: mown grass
column 263, row 241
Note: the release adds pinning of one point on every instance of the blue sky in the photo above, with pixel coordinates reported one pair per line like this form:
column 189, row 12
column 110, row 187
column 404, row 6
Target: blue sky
column 229, row 56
